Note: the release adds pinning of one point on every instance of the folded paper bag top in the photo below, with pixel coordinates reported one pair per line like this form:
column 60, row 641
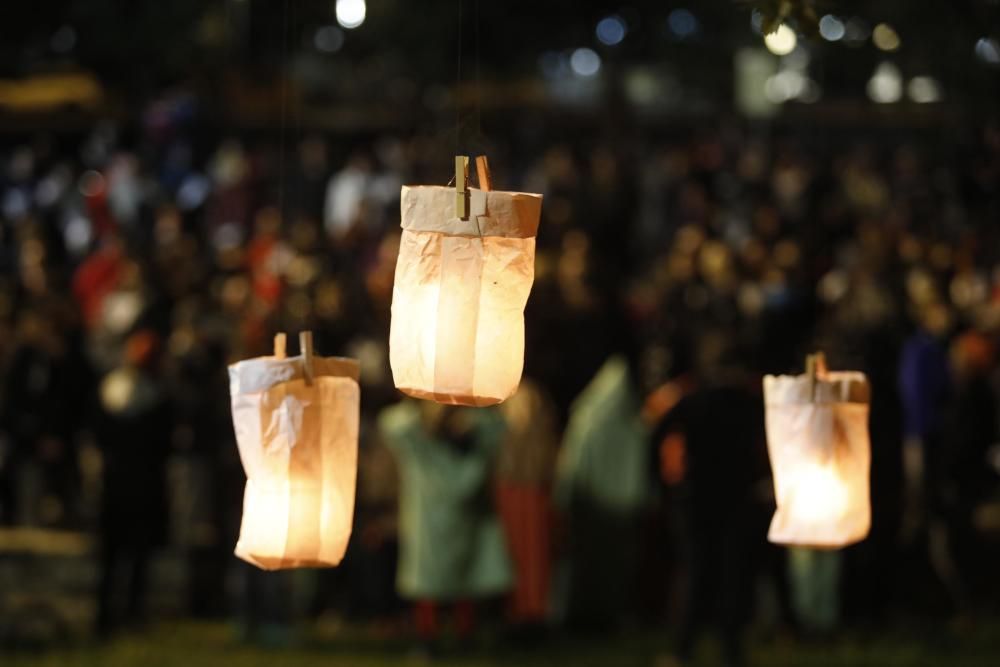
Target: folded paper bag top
column 457, row 332
column 298, row 444
column 431, row 208
column 818, row 443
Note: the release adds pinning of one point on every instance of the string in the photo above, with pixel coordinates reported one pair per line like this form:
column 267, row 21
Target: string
column 284, row 111
column 458, row 83
column 479, row 88
column 297, row 171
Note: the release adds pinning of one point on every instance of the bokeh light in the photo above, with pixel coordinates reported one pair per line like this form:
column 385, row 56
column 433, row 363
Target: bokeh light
column 585, row 62
column 885, row 37
column 351, row 13
column 611, row 30
column 924, row 90
column 682, row 23
column 856, row 32
column 782, row 41
column 886, row 84
column 988, row 50
column 328, row 39
column 831, row 28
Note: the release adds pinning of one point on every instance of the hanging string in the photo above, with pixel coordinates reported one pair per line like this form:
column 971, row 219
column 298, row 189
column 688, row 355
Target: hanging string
column 479, row 87
column 297, row 170
column 284, row 110
column 458, row 84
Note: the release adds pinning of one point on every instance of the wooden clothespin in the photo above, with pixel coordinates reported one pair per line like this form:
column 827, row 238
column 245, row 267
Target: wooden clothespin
column 306, row 349
column 279, row 346
column 483, row 172
column 462, row 187
column 816, row 370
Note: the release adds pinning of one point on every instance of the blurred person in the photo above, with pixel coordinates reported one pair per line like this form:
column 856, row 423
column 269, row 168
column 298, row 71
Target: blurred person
column 124, row 308
column 710, row 447
column 309, row 178
column 451, row 546
column 791, row 177
column 567, row 333
column 600, row 487
column 814, row 585
column 970, row 428
column 266, row 606
column 199, row 387
column 864, row 187
column 97, row 276
column 230, row 203
column 124, row 189
column 609, row 209
column 38, row 416
column 525, row 470
column 370, row 564
column 133, row 425
column 346, row 193
column 267, row 257
column 924, row 385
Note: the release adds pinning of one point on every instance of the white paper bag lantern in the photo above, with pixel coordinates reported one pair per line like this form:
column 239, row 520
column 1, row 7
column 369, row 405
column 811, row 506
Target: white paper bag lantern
column 817, row 440
column 457, row 333
column 298, row 441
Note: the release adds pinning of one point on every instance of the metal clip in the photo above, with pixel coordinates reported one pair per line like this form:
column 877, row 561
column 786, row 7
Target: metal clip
column 462, row 187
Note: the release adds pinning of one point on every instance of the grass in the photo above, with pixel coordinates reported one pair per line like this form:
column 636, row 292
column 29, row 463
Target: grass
column 198, row 644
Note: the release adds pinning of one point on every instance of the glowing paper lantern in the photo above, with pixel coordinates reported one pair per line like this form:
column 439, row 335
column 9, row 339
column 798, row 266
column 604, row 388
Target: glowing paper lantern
column 817, row 440
column 296, row 422
column 465, row 268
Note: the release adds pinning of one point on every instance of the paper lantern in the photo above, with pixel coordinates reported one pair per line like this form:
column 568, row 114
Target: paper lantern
column 817, row 440
column 465, row 267
column 296, row 422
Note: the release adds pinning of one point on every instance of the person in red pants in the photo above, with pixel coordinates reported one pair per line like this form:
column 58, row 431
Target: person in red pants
column 524, row 498
column 451, row 548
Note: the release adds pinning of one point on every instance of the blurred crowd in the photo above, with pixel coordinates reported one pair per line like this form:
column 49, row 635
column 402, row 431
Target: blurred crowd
column 671, row 273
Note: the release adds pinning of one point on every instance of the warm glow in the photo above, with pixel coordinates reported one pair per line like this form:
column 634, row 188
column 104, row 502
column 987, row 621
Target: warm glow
column 457, row 333
column 298, row 446
column 817, row 441
column 817, row 495
column 885, row 37
column 924, row 90
column 782, row 41
column 886, row 84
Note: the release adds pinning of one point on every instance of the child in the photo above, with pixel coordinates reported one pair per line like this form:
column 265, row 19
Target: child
column 451, row 546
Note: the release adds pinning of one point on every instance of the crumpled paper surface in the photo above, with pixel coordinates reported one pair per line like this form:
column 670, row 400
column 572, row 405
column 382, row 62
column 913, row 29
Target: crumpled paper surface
column 298, row 445
column 457, row 333
column 820, row 458
column 431, row 208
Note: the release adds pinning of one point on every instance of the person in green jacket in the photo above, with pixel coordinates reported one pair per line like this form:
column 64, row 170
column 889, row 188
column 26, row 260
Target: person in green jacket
column 451, row 545
column 601, row 487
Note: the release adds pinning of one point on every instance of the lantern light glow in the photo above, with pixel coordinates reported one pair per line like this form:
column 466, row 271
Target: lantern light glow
column 296, row 422
column 457, row 332
column 817, row 440
column 817, row 495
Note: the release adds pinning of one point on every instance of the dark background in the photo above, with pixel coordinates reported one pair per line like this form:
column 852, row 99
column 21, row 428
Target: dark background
column 168, row 169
